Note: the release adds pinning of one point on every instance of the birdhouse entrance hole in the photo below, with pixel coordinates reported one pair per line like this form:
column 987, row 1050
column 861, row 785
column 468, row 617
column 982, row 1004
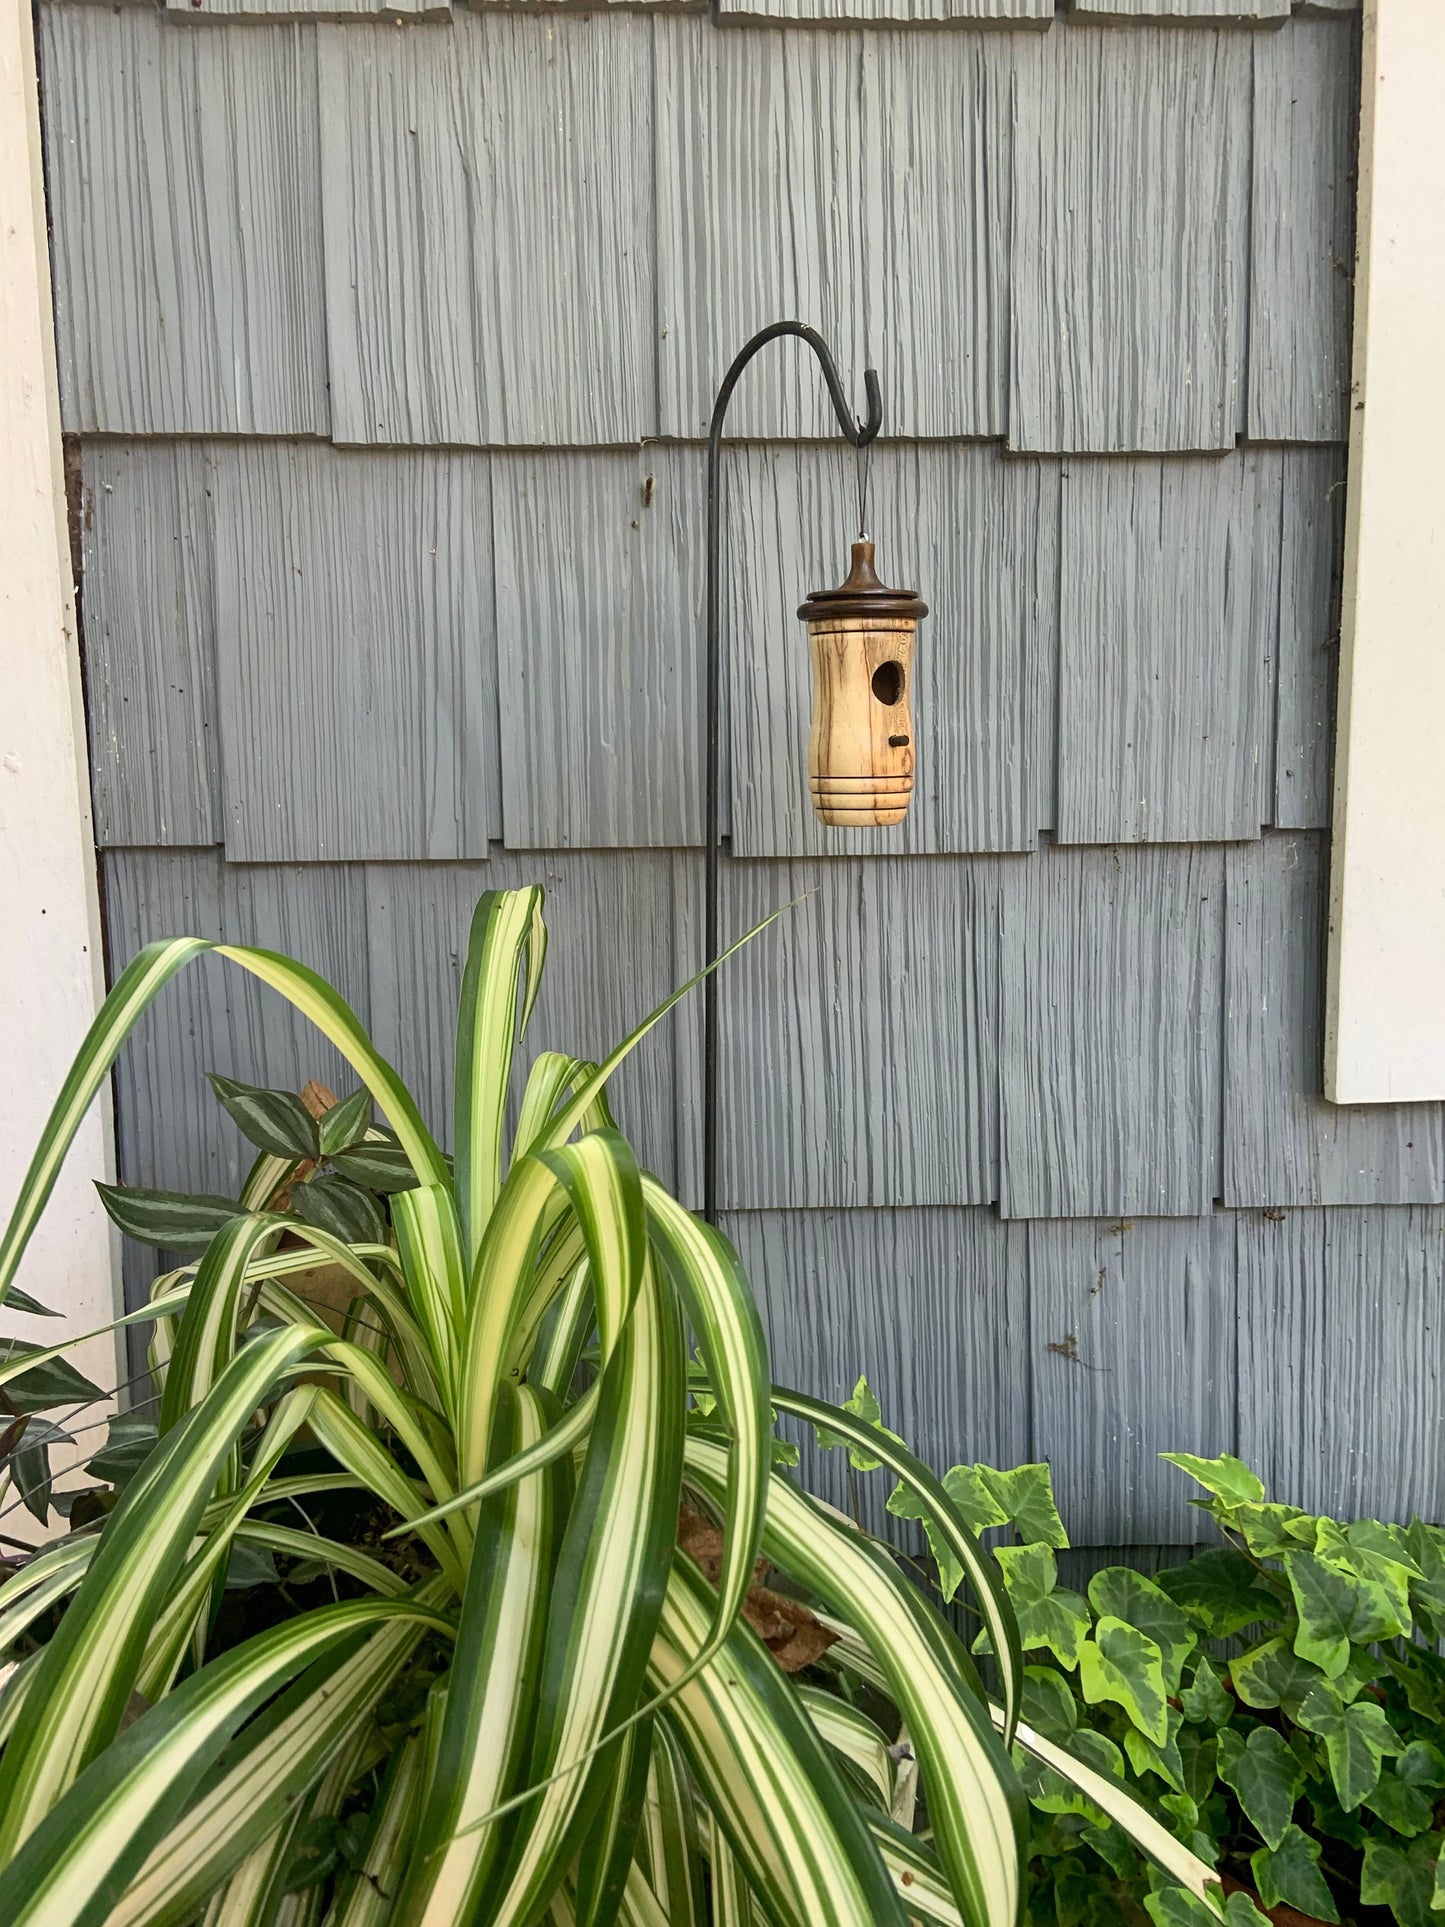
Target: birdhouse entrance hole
column 888, row 683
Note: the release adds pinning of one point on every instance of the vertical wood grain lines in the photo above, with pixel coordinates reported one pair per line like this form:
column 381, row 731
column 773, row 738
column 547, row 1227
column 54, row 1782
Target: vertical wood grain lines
column 183, row 173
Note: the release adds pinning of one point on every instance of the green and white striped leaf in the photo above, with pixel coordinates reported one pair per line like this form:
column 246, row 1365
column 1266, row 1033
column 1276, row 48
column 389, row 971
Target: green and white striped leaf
column 76, row 1864
column 855, row 1738
column 170, row 1218
column 366, row 1899
column 765, row 1775
column 271, row 1766
column 90, row 1665
column 491, row 1703
column 975, row 1802
column 952, row 1527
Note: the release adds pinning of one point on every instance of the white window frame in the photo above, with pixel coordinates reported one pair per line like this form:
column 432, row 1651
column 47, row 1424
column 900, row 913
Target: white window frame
column 1385, row 1020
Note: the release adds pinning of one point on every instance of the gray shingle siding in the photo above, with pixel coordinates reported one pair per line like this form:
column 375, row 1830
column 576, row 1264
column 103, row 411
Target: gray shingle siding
column 392, row 593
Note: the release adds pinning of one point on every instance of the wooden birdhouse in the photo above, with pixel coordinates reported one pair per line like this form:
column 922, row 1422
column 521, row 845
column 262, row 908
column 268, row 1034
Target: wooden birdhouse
column 861, row 750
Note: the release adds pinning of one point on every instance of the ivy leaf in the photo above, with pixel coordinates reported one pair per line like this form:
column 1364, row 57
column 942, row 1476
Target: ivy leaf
column 54, row 1383
column 1120, row 1593
column 1165, row 1761
column 340, row 1127
column 1289, row 1876
column 1422, row 1764
column 1402, row 1807
column 171, row 1219
column 1370, row 1566
column 1405, row 1879
column 1177, row 1907
column 1427, row 1594
column 1387, row 1542
column 1357, row 1737
column 1024, row 1496
column 1123, row 1665
column 1048, row 1705
column 1047, row 1615
column 1049, row 1792
column 1421, row 1675
column 1222, row 1592
column 1267, row 1777
column 377, row 1167
column 904, row 1503
column 1199, row 1758
column 338, row 1207
column 1205, row 1700
column 1337, row 1609
column 1273, row 1675
column 1272, row 1530
column 276, row 1121
column 1228, row 1479
column 862, row 1405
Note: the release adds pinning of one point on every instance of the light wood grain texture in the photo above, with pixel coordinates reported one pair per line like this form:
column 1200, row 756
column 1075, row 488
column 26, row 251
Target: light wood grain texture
column 1109, row 1032
column 183, row 173
column 860, row 748
column 1302, row 231
column 1169, row 608
column 489, row 230
column 620, row 939
column 1129, row 275
column 1283, row 1144
column 931, row 1305
column 1342, row 1378
column 856, row 181
column 147, row 521
column 355, row 655
column 1131, row 1350
column 884, row 977
column 599, row 561
column 976, row 534
column 1309, row 635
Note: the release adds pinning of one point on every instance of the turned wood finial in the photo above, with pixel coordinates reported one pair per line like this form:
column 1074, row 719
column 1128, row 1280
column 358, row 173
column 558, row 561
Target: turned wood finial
column 860, row 751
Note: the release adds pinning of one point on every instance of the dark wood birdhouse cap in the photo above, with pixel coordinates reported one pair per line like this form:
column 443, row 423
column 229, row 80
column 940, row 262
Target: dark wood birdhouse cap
column 862, row 594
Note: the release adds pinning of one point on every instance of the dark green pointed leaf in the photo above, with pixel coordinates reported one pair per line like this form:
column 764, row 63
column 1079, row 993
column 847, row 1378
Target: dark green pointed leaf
column 1177, row 1907
column 277, row 1121
column 1199, row 1757
column 1222, row 1592
column 17, row 1300
column 1122, row 1665
column 43, row 1387
column 1274, row 1675
column 1337, row 1609
column 1422, row 1764
column 29, row 1465
column 1269, row 1531
column 1266, row 1776
column 377, row 1167
column 1163, row 1761
column 129, row 1441
column 1403, row 1808
column 1289, row 1875
column 340, row 1127
column 1404, row 1879
column 1204, row 1699
column 168, row 1219
column 1047, row 1614
column 1121, row 1593
column 1047, row 1705
column 1357, row 1739
column 347, row 1212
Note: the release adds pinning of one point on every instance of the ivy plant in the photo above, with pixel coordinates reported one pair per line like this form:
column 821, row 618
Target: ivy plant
column 1277, row 1701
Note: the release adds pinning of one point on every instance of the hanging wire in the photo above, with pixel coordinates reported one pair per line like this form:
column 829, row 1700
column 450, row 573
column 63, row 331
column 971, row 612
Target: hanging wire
column 863, row 458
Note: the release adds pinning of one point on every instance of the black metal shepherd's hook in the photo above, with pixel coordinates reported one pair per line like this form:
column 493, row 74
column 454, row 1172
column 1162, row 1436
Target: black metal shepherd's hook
column 860, row 434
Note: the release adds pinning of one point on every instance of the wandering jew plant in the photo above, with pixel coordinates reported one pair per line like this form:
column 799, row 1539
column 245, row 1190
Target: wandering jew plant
column 535, row 1693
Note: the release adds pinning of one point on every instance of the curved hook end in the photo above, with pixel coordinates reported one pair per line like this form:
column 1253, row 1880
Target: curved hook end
column 867, row 431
